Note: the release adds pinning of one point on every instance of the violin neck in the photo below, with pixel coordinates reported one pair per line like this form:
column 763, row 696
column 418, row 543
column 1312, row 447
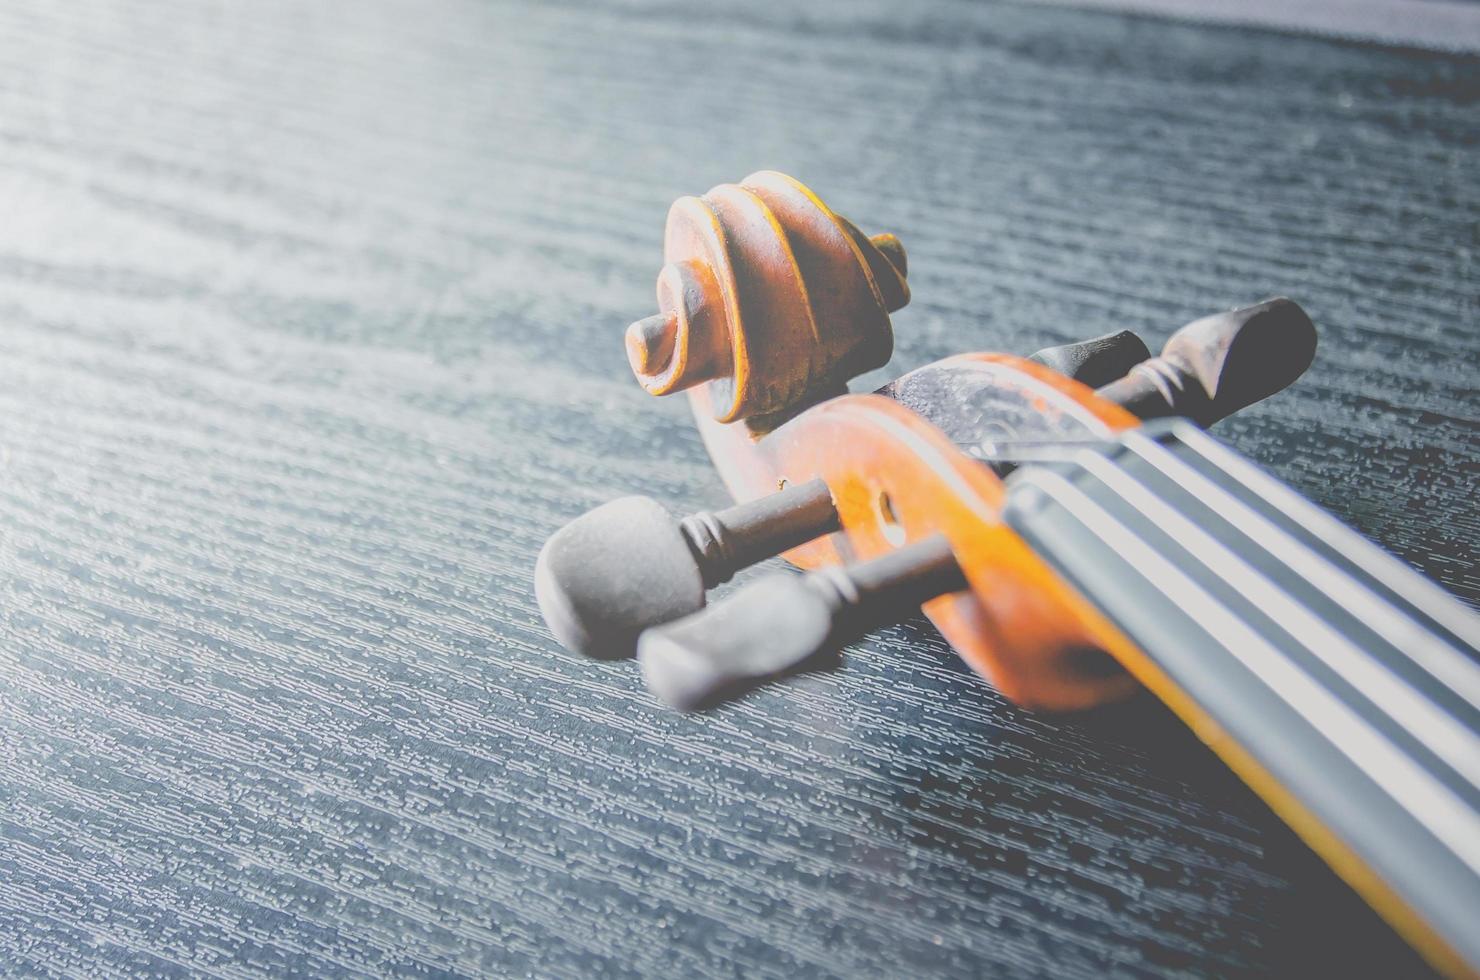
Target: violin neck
column 1343, row 686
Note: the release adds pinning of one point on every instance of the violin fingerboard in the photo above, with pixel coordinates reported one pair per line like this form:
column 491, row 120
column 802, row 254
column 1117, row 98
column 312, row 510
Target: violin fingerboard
column 1339, row 682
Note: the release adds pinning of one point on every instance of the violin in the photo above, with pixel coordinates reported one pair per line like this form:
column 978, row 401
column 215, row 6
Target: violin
column 1062, row 518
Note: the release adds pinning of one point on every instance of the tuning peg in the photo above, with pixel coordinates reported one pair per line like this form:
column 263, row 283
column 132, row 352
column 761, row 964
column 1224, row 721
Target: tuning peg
column 1215, row 366
column 628, row 564
column 783, row 623
column 1097, row 361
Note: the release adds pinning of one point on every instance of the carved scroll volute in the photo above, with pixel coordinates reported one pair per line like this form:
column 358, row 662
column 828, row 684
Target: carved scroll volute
column 769, row 296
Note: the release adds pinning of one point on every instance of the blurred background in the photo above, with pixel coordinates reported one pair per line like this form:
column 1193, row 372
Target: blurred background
column 310, row 333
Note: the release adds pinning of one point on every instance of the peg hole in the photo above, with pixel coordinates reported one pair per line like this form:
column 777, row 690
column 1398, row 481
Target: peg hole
column 889, row 520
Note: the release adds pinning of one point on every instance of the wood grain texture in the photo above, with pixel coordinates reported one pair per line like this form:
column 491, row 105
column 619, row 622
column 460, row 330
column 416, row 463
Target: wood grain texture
column 310, row 333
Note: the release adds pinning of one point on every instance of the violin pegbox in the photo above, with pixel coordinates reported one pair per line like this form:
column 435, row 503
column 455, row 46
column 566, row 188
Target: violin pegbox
column 769, row 295
column 769, row 303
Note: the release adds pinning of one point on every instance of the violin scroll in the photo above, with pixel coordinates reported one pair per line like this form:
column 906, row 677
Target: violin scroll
column 769, row 296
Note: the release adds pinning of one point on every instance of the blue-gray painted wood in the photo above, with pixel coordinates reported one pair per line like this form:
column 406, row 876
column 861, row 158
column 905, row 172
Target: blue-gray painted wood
column 310, row 328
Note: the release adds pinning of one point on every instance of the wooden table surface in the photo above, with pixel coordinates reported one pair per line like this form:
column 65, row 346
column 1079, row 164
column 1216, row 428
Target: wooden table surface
column 310, row 333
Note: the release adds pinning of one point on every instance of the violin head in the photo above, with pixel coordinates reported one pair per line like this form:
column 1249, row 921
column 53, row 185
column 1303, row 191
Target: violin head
column 769, row 296
column 769, row 302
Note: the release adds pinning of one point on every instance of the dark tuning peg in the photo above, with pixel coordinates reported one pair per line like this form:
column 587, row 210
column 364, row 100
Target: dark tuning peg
column 627, row 565
column 782, row 623
column 1215, row 366
column 1098, row 361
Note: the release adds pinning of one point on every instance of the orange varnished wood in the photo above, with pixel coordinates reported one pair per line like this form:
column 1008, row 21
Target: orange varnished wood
column 768, row 303
column 767, row 295
column 896, row 478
